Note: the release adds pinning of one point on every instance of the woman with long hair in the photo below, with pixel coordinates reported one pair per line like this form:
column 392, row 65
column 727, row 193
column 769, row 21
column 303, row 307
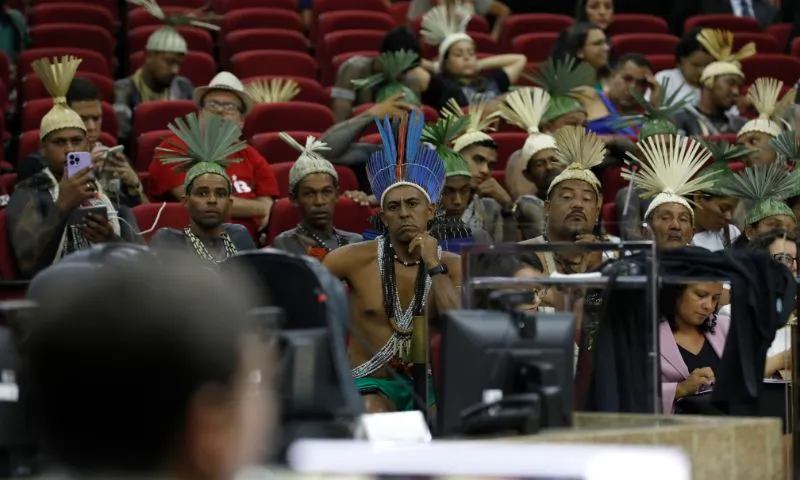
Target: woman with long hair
column 587, row 42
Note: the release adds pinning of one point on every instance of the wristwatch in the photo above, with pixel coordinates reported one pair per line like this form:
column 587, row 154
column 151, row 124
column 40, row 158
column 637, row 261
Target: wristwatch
column 441, row 268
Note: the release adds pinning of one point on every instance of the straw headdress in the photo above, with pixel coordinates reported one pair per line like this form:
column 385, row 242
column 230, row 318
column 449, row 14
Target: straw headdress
column 580, row 150
column 166, row 38
column 525, row 108
column 723, row 154
column 657, row 120
column 764, row 95
column 57, row 77
column 274, row 90
column 568, row 81
column 310, row 160
column 479, row 123
column 203, row 147
column 442, row 26
column 393, row 64
column 440, row 135
column 719, row 44
column 669, row 173
column 767, row 186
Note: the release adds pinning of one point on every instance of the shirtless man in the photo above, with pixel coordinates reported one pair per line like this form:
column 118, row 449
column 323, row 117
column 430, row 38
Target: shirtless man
column 398, row 280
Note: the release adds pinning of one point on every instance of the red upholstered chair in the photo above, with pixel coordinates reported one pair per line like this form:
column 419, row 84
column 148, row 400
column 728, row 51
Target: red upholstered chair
column 781, row 33
column 644, row 43
column 610, row 223
column 227, row 6
column 198, row 67
column 250, row 18
column 346, row 41
column 273, row 62
column 152, row 216
column 145, row 148
column 507, row 143
column 330, row 70
column 197, row 39
column 7, row 183
column 484, row 44
column 310, row 90
column 477, row 24
column 139, row 17
column 262, row 39
column 275, row 150
column 157, row 115
column 347, row 178
column 765, row 43
column 431, row 115
column 662, row 62
column 636, row 23
column 85, row 14
column 722, row 21
column 32, row 87
column 532, row 22
column 323, row 6
column 91, row 61
column 399, row 12
column 193, row 4
column 29, row 142
column 278, row 117
column 350, row 20
column 33, row 111
column 535, row 46
column 8, row 263
column 612, row 181
column 5, row 69
column 348, row 216
column 110, row 5
column 782, row 67
column 72, row 35
column 795, row 47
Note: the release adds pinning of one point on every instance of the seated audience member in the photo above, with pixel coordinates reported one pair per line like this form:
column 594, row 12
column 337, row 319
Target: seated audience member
column 588, row 43
column 14, row 37
column 782, row 245
column 314, row 190
column 667, row 176
column 132, row 374
column 492, row 8
column 757, row 134
column 157, row 79
column 692, row 339
column 479, row 79
column 253, row 181
column 691, row 59
column 204, row 146
column 714, row 208
column 721, row 84
column 114, row 171
column 44, row 217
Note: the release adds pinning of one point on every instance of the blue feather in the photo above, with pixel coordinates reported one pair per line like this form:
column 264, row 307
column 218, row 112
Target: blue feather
column 415, row 124
column 387, row 138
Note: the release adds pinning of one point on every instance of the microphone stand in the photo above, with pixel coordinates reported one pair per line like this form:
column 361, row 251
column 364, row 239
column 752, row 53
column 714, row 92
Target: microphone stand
column 420, row 361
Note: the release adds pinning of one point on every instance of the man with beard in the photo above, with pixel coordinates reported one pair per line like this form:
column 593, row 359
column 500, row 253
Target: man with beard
column 207, row 189
column 314, row 190
column 721, row 83
column 668, row 175
column 400, row 280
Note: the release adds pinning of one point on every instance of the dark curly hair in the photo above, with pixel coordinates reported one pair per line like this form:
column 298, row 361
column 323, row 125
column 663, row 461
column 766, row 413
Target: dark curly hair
column 668, row 307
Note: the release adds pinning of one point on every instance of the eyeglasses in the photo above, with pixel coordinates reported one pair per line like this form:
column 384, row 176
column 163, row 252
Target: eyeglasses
column 785, row 259
column 226, row 107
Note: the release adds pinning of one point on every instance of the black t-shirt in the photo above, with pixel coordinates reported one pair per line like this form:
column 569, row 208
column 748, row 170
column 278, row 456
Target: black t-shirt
column 440, row 90
column 706, row 357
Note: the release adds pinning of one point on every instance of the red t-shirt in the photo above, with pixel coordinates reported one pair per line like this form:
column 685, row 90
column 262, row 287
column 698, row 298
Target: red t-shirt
column 252, row 177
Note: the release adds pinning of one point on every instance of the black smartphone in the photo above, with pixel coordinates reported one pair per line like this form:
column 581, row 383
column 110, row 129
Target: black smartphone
column 79, row 215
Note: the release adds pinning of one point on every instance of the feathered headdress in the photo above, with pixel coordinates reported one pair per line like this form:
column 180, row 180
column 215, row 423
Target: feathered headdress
column 719, row 44
column 525, row 108
column 479, row 123
column 657, row 120
column 393, row 64
column 439, row 135
column 670, row 172
column 768, row 186
column 274, row 90
column 56, row 77
column 764, row 95
column 723, row 154
column 202, row 146
column 442, row 26
column 567, row 81
column 404, row 161
column 167, row 39
column 310, row 160
column 580, row 150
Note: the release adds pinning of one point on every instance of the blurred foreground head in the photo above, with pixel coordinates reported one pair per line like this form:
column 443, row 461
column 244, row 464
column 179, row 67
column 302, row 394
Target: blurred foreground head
column 140, row 368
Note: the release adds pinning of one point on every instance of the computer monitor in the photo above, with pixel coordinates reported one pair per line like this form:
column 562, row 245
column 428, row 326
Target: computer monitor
column 524, row 357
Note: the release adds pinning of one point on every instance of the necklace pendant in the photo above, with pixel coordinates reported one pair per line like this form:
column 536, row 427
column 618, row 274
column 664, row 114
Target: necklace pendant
column 403, row 349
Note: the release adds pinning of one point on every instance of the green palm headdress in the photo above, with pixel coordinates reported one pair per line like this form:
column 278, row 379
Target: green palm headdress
column 656, row 120
column 723, row 154
column 195, row 18
column 786, row 145
column 202, row 147
column 393, row 64
column 563, row 80
column 440, row 135
column 767, row 186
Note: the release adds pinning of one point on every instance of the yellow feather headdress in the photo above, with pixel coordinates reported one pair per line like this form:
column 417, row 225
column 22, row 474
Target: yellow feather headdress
column 580, row 150
column 479, row 123
column 719, row 44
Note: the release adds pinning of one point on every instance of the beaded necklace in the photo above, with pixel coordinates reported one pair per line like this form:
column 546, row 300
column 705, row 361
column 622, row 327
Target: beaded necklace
column 201, row 250
column 313, row 236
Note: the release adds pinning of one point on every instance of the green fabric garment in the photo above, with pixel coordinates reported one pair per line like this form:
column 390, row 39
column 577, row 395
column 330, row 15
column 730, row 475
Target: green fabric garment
column 202, row 168
column 560, row 106
column 768, row 207
column 398, row 390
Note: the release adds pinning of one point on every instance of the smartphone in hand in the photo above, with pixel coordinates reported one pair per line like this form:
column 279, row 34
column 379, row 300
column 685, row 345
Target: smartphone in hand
column 77, row 161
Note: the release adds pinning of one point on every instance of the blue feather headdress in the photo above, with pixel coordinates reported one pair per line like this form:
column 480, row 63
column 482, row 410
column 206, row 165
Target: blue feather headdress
column 405, row 161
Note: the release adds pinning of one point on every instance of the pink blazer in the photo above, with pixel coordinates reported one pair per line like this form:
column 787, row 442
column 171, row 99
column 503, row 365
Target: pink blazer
column 673, row 368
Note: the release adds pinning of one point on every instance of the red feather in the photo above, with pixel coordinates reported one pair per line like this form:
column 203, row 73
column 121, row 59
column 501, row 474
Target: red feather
column 401, row 147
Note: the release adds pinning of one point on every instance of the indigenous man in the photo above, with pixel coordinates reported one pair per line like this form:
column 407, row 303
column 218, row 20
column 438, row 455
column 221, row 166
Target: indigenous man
column 757, row 133
column 668, row 175
column 207, row 189
column 314, row 190
column 45, row 218
column 392, row 277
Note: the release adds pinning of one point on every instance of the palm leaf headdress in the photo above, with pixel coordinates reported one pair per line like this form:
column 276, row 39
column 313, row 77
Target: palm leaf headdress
column 566, row 80
column 765, row 97
column 479, row 123
column 440, row 135
column 525, row 108
column 656, row 119
column 719, row 43
column 580, row 150
column 767, row 186
column 723, row 154
column 196, row 18
column 393, row 64
column 57, row 75
column 274, row 90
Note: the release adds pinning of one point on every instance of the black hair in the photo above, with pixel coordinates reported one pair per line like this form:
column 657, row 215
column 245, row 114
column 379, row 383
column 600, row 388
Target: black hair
column 580, row 10
column 117, row 354
column 636, row 58
column 763, row 241
column 688, row 44
column 400, row 38
column 574, row 39
column 531, row 260
column 792, row 201
column 82, row 90
column 485, row 143
column 668, row 299
column 297, row 185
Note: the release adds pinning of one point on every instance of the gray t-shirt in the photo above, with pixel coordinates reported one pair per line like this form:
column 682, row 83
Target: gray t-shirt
column 173, row 239
column 293, row 242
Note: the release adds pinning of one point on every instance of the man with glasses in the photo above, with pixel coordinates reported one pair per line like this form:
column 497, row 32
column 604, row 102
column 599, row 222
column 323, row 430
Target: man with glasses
column 253, row 181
